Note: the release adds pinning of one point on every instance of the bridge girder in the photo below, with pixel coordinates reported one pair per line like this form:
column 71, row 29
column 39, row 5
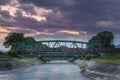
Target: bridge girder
column 53, row 48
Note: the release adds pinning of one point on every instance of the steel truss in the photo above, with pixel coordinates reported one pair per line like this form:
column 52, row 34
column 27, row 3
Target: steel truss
column 53, row 48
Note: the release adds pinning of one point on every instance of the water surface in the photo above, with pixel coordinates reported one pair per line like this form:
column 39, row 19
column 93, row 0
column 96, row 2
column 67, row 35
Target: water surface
column 52, row 70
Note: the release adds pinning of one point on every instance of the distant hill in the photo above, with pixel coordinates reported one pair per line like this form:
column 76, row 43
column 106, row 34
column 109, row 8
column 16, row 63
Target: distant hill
column 118, row 46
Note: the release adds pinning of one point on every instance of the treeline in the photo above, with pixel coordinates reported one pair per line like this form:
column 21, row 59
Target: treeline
column 13, row 38
column 19, row 44
column 103, row 39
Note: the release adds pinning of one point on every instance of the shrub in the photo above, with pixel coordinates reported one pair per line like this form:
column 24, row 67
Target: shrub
column 88, row 56
column 8, row 66
column 82, row 57
column 12, row 53
column 1, row 53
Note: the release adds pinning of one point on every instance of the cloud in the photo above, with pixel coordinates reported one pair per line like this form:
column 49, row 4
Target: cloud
column 80, row 15
column 5, row 14
column 4, row 2
column 29, row 8
column 61, row 19
column 69, row 32
column 105, row 23
column 88, row 8
column 4, row 30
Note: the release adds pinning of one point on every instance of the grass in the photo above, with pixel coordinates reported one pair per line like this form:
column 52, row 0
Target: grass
column 111, row 58
column 25, row 58
column 109, row 61
column 5, row 57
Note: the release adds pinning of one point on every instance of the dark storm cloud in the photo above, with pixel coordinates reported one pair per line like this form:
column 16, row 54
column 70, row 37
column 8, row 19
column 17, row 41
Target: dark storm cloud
column 84, row 12
column 94, row 9
column 24, row 22
column 44, row 3
column 3, row 2
column 28, row 8
column 5, row 13
column 78, row 15
column 53, row 24
column 100, row 9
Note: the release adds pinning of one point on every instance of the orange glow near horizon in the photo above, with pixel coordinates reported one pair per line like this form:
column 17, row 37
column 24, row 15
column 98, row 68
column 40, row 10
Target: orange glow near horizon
column 3, row 30
column 69, row 32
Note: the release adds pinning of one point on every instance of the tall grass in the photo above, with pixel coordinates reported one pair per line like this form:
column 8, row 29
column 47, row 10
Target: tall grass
column 111, row 58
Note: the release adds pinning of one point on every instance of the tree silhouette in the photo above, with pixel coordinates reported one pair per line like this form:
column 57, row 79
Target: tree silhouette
column 102, row 39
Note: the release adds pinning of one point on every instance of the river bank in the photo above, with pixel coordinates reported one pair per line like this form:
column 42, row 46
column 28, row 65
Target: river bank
column 5, row 65
column 99, row 71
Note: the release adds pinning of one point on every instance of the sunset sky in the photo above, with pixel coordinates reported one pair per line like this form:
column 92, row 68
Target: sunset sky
column 59, row 19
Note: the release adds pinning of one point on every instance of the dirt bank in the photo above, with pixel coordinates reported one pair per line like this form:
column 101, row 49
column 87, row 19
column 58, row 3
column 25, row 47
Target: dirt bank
column 99, row 71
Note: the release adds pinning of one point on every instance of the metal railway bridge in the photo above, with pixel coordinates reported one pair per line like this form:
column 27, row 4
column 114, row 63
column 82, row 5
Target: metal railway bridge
column 54, row 48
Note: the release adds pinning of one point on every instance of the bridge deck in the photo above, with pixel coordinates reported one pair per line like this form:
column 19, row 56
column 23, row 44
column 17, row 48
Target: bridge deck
column 54, row 54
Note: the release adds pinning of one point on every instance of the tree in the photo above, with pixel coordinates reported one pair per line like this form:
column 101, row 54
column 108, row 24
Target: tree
column 19, row 43
column 13, row 38
column 29, row 39
column 102, row 39
column 106, row 39
column 94, row 42
column 27, row 45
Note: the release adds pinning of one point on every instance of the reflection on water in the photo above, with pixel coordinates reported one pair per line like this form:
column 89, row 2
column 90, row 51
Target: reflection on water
column 53, row 70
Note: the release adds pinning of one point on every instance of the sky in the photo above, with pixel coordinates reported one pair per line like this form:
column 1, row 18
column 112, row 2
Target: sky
column 76, row 20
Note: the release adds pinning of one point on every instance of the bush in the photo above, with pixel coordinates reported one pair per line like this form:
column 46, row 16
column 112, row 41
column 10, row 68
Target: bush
column 88, row 57
column 1, row 53
column 12, row 53
column 8, row 66
column 82, row 57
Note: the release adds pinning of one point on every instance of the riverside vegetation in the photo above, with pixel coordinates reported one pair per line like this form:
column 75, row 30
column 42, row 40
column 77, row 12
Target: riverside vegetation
column 111, row 58
column 9, row 57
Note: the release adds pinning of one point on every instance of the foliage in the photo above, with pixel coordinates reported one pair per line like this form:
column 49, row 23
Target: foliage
column 108, row 61
column 88, row 56
column 16, row 41
column 29, row 39
column 111, row 58
column 29, row 42
column 4, row 57
column 12, row 53
column 94, row 42
column 13, row 38
column 1, row 53
column 8, row 65
column 102, row 39
column 82, row 57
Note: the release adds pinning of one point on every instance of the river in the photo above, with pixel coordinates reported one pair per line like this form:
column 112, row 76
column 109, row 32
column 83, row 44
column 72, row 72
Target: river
column 52, row 70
